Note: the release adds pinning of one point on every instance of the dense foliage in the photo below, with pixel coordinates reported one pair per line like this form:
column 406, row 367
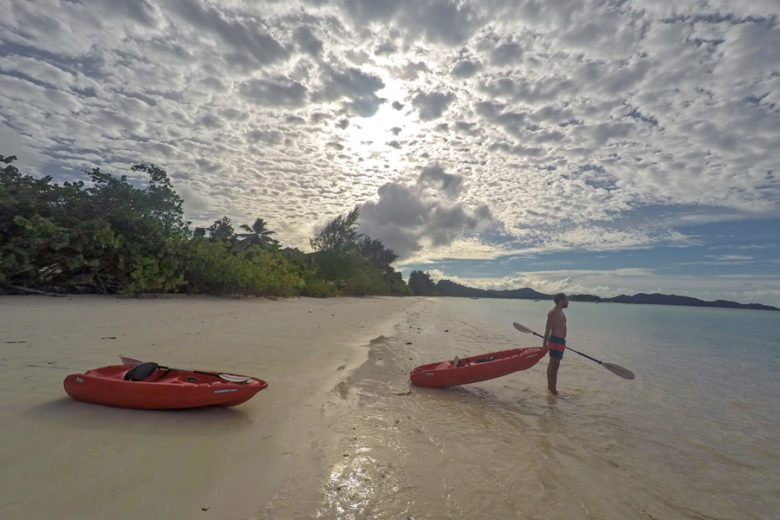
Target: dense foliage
column 348, row 261
column 421, row 284
column 112, row 237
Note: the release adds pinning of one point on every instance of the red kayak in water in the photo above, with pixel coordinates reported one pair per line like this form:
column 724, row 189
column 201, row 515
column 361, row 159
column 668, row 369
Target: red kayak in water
column 476, row 368
column 152, row 387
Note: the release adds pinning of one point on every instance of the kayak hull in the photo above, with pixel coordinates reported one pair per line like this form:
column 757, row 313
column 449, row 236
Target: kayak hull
column 164, row 389
column 476, row 368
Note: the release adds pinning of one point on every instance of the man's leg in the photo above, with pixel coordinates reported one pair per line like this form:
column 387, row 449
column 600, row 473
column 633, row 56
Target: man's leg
column 552, row 375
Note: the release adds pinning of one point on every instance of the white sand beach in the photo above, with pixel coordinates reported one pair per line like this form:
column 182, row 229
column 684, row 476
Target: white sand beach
column 60, row 458
column 341, row 433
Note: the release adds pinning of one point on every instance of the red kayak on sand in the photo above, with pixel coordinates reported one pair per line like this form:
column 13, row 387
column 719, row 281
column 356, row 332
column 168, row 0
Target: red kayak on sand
column 152, row 387
column 476, row 368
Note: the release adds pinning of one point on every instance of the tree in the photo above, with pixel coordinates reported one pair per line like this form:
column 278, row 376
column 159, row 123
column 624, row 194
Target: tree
column 222, row 230
column 257, row 235
column 212, row 267
column 44, row 241
column 149, row 228
column 354, row 263
column 161, row 202
column 114, row 236
column 111, row 235
column 376, row 253
column 339, row 235
column 421, row 284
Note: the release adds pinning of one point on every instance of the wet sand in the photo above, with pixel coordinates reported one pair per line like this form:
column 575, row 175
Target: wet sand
column 60, row 458
column 604, row 448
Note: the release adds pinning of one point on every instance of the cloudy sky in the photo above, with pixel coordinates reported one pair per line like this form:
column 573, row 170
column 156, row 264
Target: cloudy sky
column 610, row 147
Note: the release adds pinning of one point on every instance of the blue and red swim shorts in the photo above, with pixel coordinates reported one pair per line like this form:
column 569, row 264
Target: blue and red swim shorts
column 557, row 346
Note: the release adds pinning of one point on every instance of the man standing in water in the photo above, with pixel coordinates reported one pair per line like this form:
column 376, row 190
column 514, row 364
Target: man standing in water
column 555, row 339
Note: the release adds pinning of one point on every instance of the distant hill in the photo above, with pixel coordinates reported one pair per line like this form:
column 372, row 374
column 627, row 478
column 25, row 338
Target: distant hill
column 664, row 299
column 449, row 288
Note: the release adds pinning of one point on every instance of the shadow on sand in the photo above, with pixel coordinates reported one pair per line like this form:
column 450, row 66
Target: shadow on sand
column 75, row 415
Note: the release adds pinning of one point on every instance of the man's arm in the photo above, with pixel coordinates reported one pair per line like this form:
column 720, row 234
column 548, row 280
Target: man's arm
column 547, row 329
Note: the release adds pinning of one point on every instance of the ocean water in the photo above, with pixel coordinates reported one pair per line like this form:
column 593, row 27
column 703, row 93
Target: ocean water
column 695, row 436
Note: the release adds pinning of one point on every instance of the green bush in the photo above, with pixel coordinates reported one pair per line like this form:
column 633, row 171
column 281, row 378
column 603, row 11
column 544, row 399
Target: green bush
column 211, row 267
column 317, row 288
column 115, row 237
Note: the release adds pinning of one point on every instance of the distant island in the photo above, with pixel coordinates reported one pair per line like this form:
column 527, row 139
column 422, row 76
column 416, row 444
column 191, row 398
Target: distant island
column 449, row 288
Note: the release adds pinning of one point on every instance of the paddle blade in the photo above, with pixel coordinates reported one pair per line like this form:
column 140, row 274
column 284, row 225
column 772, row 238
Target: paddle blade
column 130, row 361
column 522, row 328
column 619, row 371
column 234, row 378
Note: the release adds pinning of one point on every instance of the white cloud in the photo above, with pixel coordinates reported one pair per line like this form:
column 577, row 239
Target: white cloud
column 433, row 104
column 408, row 217
column 355, row 84
column 465, row 69
column 566, row 120
column 274, row 92
column 439, row 21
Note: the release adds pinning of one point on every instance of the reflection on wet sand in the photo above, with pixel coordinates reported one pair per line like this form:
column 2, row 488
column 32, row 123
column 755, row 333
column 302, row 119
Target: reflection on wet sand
column 504, row 448
column 603, row 448
column 417, row 452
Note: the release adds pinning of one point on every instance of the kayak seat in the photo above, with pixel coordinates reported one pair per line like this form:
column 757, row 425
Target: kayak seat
column 141, row 372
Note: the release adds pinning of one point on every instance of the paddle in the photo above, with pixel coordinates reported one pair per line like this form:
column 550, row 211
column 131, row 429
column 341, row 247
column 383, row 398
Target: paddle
column 615, row 369
column 227, row 377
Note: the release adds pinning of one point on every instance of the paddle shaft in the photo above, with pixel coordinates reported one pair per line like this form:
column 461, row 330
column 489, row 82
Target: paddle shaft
column 189, row 370
column 575, row 351
column 615, row 369
column 227, row 377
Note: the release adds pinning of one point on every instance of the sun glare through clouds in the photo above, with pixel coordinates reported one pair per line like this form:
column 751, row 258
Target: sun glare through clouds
column 482, row 139
column 379, row 139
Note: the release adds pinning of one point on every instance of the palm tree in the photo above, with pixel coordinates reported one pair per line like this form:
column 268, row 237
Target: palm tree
column 257, row 235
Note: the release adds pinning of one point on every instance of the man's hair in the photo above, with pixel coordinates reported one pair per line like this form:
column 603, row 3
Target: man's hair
column 558, row 298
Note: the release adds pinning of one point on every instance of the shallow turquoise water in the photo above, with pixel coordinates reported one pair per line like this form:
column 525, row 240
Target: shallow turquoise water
column 695, row 435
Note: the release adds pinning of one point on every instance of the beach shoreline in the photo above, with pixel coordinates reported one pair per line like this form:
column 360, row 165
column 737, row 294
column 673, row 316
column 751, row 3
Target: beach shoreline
column 341, row 432
column 506, row 448
column 91, row 461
